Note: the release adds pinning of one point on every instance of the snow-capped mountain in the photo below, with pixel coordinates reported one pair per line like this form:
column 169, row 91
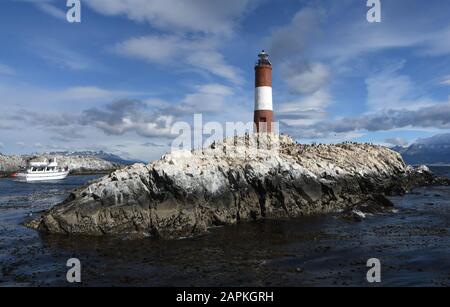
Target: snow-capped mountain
column 98, row 154
column 433, row 150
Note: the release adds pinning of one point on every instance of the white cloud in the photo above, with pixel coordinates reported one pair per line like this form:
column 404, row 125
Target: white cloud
column 62, row 56
column 306, row 110
column 213, row 62
column 205, row 16
column 212, row 21
column 436, row 116
column 6, row 70
column 16, row 96
column 51, row 10
column 216, row 89
column 446, row 80
column 306, row 78
column 438, row 43
column 157, row 49
column 91, row 93
column 175, row 50
column 397, row 141
column 149, row 118
column 388, row 89
column 319, row 42
column 318, row 100
column 293, row 39
column 210, row 98
column 311, row 32
column 329, row 35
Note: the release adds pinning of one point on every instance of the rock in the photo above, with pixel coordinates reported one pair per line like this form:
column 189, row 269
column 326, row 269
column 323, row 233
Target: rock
column 374, row 204
column 77, row 164
column 240, row 179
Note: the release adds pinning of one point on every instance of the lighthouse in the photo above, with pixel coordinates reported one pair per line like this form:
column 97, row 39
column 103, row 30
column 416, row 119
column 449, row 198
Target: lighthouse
column 263, row 116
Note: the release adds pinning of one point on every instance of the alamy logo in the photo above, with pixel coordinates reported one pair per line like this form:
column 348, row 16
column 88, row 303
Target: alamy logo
column 374, row 13
column 74, row 273
column 374, row 274
column 74, row 12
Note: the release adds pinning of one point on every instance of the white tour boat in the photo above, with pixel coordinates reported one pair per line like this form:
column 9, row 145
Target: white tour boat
column 42, row 171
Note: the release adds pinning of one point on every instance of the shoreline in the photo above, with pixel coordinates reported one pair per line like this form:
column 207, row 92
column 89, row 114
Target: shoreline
column 4, row 175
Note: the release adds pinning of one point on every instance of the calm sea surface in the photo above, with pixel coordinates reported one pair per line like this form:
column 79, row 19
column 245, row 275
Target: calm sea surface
column 413, row 245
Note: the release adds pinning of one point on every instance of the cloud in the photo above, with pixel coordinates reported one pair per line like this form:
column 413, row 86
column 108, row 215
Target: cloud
column 43, row 119
column 306, row 78
column 213, row 62
column 439, row 139
column 175, row 50
column 6, row 70
column 204, row 16
column 60, row 126
column 210, row 98
column 156, row 49
column 316, row 27
column 397, row 141
column 62, row 56
column 21, row 95
column 288, row 47
column 446, row 80
column 124, row 116
column 306, row 110
column 390, row 89
column 47, row 7
column 2, row 145
column 4, row 126
column 51, row 10
column 90, row 93
column 438, row 43
column 152, row 144
column 149, row 118
column 320, row 43
column 309, row 63
column 293, row 39
column 193, row 32
column 437, row 116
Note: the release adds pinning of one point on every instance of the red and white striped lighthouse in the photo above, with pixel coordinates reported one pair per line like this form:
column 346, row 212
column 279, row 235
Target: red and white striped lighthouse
column 263, row 117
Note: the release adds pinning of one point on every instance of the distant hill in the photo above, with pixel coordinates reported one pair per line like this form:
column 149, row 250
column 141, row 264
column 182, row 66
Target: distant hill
column 433, row 150
column 98, row 154
column 78, row 164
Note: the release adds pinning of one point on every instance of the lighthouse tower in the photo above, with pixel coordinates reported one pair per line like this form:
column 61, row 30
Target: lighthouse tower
column 263, row 117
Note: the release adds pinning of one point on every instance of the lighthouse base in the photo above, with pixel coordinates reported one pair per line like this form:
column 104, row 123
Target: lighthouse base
column 263, row 121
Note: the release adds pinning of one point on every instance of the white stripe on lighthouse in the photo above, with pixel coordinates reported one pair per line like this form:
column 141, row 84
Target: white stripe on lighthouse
column 263, row 98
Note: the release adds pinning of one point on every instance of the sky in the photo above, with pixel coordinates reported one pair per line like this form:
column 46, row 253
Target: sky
column 119, row 80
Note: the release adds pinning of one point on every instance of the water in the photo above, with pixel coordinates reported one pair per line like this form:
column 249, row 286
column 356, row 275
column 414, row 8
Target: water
column 412, row 244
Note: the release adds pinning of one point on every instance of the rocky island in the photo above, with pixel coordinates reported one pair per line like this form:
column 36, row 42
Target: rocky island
column 78, row 164
column 240, row 179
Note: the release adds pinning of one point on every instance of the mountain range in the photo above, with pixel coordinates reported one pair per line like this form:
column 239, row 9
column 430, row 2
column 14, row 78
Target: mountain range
column 98, row 154
column 433, row 150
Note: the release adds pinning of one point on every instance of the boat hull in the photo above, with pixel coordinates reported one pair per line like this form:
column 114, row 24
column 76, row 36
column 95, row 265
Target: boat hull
column 27, row 177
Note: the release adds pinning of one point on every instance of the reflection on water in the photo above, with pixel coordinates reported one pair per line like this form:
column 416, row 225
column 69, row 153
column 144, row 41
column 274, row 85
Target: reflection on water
column 412, row 244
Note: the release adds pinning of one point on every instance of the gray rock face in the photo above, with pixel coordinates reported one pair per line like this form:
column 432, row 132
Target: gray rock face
column 248, row 178
column 77, row 164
